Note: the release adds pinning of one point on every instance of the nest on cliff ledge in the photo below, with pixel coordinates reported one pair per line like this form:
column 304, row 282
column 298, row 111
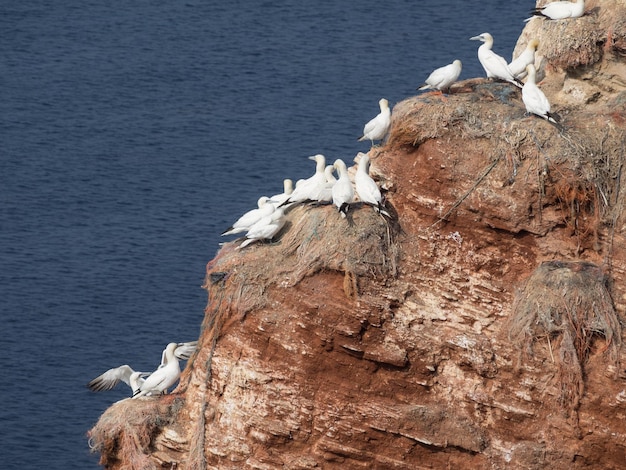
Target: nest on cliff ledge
column 566, row 304
column 126, row 431
column 315, row 239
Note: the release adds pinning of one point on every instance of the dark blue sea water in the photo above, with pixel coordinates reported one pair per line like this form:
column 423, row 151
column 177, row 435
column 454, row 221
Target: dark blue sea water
column 133, row 132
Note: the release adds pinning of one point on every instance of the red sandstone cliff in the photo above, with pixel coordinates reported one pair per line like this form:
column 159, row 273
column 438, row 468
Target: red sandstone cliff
column 479, row 328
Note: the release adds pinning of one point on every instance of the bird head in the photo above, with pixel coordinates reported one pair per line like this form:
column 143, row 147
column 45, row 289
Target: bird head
column 484, row 37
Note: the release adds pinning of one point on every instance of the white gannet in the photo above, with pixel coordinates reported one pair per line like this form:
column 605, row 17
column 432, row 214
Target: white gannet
column 309, row 189
column 559, row 10
column 251, row 217
column 164, row 377
column 366, row 187
column 278, row 199
column 343, row 194
column 518, row 65
column 534, row 99
column 376, row 128
column 266, row 228
column 112, row 377
column 326, row 195
column 494, row 65
column 442, row 78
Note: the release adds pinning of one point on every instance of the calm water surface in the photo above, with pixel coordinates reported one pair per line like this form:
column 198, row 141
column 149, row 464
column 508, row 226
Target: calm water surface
column 133, row 133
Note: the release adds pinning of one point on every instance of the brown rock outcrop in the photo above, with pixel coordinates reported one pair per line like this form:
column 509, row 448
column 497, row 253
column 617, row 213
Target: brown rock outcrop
column 480, row 327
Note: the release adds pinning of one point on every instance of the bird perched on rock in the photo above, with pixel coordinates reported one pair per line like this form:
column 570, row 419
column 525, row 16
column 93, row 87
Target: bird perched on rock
column 518, row 65
column 377, row 128
column 534, row 99
column 442, row 78
column 559, row 10
column 251, row 217
column 495, row 66
column 343, row 194
column 310, row 188
column 366, row 187
column 266, row 228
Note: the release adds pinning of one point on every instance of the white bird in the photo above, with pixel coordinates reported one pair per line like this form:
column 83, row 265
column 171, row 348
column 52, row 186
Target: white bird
column 112, row 377
column 164, row 377
column 326, row 195
column 266, row 228
column 559, row 10
column 366, row 187
column 494, row 65
column 343, row 194
column 278, row 199
column 310, row 188
column 534, row 99
column 442, row 78
column 251, row 217
column 518, row 65
column 377, row 128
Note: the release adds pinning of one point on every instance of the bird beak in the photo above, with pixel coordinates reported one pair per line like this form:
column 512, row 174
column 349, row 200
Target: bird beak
column 475, row 38
column 312, row 157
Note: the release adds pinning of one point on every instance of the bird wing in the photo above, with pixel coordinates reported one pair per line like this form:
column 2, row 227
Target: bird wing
column 518, row 66
column 440, row 77
column 558, row 10
column 185, row 350
column 111, row 378
column 372, row 125
column 496, row 66
column 367, row 189
column 535, row 101
column 343, row 192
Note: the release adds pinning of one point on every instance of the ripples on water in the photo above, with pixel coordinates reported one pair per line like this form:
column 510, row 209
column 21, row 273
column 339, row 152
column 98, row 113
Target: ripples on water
column 133, row 133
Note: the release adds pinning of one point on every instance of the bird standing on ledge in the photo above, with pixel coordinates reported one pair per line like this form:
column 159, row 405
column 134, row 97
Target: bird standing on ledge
column 442, row 78
column 376, row 129
column 495, row 66
column 534, row 99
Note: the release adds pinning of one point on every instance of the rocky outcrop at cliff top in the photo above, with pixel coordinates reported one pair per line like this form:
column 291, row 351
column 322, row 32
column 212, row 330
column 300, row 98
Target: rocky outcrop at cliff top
column 480, row 327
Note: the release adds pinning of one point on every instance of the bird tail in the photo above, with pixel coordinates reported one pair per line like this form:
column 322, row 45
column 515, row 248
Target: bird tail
column 343, row 209
column 554, row 119
column 517, row 82
column 361, row 139
column 535, row 12
column 424, row 87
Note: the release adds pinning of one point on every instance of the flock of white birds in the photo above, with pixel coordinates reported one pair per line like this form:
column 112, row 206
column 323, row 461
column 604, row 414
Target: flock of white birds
column 268, row 218
column 265, row 221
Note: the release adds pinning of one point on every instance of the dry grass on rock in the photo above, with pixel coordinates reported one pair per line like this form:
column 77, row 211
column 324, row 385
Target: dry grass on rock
column 315, row 239
column 566, row 304
column 125, row 432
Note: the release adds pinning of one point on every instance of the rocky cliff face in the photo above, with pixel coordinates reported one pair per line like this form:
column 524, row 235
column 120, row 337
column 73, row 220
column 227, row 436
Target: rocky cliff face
column 480, row 327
